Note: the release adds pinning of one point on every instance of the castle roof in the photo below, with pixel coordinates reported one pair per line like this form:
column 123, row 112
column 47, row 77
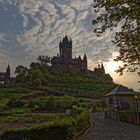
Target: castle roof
column 8, row 68
column 65, row 39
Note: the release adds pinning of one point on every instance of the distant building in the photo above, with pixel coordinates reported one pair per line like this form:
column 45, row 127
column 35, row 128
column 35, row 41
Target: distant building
column 63, row 63
column 5, row 76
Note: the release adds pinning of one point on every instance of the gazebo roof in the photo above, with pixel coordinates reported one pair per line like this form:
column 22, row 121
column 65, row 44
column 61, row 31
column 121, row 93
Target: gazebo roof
column 121, row 90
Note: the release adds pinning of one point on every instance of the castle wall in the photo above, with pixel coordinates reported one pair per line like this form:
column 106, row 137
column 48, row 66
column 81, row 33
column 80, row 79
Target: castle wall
column 66, row 64
column 74, row 69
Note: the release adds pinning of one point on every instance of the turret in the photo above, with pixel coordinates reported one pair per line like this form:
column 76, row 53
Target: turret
column 71, row 42
column 7, row 75
column 85, row 61
column 60, row 44
column 8, row 70
column 79, row 57
column 102, row 69
column 85, row 57
column 60, row 48
column 66, row 40
column 65, row 48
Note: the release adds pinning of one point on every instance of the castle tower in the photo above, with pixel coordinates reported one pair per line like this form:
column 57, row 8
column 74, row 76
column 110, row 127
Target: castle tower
column 7, row 75
column 85, row 61
column 102, row 69
column 65, row 48
column 8, row 71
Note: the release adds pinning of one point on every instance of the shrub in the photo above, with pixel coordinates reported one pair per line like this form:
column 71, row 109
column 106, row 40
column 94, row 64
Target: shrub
column 3, row 103
column 63, row 129
column 16, row 103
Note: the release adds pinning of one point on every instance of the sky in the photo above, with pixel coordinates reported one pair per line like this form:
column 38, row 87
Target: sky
column 29, row 28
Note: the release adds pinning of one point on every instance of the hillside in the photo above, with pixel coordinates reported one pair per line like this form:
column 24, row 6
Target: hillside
column 75, row 84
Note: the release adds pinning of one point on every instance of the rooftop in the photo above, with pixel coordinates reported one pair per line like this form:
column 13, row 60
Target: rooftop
column 121, row 90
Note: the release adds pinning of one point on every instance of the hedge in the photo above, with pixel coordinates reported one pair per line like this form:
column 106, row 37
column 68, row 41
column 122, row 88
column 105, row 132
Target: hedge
column 63, row 129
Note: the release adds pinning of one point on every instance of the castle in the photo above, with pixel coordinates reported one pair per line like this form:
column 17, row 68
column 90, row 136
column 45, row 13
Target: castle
column 5, row 76
column 64, row 63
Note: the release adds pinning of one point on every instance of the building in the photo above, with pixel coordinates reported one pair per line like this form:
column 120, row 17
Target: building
column 64, row 62
column 121, row 98
column 99, row 72
column 5, row 76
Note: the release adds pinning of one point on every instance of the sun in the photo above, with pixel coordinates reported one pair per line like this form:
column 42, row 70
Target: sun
column 112, row 66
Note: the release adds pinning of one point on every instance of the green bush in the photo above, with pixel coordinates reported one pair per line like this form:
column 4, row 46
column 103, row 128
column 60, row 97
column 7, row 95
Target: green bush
column 63, row 129
column 3, row 103
column 17, row 103
column 11, row 93
column 30, row 118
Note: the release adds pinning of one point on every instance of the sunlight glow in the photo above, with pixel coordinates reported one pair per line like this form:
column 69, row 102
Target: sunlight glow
column 112, row 66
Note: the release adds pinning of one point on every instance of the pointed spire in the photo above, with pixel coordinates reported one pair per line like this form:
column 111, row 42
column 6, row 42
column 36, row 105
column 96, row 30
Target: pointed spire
column 85, row 57
column 8, row 69
column 102, row 66
column 102, row 69
column 65, row 39
column 79, row 57
column 66, row 36
column 70, row 41
column 60, row 44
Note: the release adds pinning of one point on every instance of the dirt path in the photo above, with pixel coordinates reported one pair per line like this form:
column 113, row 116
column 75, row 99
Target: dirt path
column 107, row 129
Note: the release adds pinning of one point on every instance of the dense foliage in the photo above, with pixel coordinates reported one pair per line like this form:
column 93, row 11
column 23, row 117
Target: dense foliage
column 124, row 14
column 34, row 75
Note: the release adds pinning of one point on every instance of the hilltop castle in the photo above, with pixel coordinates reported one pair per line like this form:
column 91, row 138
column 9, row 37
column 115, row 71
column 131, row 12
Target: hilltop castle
column 5, row 76
column 63, row 63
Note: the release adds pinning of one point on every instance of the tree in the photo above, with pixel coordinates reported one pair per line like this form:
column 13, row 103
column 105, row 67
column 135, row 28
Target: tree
column 124, row 13
column 34, row 77
column 21, row 73
column 44, row 60
column 35, row 65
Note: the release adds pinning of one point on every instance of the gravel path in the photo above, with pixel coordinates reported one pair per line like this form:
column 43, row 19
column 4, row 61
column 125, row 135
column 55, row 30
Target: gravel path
column 107, row 129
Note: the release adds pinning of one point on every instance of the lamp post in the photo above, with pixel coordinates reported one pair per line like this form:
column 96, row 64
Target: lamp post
column 137, row 97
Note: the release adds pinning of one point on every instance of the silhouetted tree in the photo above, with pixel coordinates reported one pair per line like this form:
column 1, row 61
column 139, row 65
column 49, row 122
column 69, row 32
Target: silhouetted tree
column 44, row 60
column 35, row 65
column 124, row 13
column 21, row 73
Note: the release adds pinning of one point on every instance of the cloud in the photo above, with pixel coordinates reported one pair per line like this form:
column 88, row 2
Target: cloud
column 37, row 26
column 53, row 20
column 2, row 37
